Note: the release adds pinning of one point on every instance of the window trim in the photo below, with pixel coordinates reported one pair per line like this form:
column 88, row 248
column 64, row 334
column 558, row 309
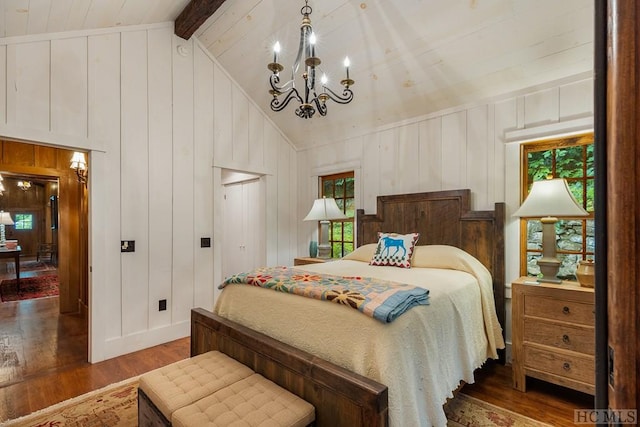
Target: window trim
column 333, row 177
column 544, row 145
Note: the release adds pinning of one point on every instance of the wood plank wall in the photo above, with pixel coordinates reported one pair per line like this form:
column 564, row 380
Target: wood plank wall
column 160, row 119
column 475, row 147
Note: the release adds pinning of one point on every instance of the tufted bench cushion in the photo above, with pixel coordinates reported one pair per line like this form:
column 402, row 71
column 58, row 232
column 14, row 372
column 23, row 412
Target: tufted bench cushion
column 187, row 381
column 253, row 401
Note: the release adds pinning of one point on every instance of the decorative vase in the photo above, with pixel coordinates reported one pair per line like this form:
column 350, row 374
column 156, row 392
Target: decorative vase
column 586, row 273
column 313, row 249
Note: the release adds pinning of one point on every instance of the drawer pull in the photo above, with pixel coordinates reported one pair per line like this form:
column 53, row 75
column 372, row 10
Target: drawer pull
column 566, row 366
column 565, row 310
column 565, row 339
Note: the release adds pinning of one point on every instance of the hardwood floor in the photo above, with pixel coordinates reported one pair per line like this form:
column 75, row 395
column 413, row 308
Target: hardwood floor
column 43, row 361
column 543, row 401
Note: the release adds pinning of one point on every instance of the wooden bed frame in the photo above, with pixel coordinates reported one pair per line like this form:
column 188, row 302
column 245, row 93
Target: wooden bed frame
column 444, row 218
column 341, row 397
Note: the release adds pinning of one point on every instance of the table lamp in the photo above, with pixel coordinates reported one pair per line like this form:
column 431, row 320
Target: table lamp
column 5, row 219
column 324, row 210
column 548, row 200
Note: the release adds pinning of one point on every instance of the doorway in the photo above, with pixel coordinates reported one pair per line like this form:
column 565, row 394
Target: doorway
column 244, row 238
column 47, row 333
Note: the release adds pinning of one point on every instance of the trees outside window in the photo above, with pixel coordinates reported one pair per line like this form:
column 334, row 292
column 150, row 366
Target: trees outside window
column 570, row 158
column 341, row 232
column 23, row 222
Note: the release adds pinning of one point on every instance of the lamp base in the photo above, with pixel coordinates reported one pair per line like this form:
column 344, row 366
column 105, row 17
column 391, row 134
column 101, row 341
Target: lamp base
column 324, row 251
column 549, row 268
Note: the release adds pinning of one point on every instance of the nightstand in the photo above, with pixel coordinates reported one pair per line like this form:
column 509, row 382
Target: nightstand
column 553, row 334
column 308, row 260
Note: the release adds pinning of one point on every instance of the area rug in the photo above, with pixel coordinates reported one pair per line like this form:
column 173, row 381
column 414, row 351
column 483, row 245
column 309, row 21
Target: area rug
column 468, row 411
column 30, row 288
column 30, row 265
column 117, row 406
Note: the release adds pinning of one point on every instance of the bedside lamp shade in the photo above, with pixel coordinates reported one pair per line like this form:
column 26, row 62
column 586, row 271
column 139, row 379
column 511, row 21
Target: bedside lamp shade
column 548, row 200
column 324, row 210
column 5, row 219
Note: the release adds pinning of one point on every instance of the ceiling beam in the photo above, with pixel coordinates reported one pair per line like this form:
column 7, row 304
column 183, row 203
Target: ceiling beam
column 194, row 15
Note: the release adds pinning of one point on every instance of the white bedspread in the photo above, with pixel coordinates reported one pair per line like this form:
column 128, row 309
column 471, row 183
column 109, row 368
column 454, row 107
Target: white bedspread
column 421, row 356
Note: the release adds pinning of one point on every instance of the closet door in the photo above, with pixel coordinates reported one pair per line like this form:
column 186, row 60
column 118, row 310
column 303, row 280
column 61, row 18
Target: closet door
column 244, row 227
column 232, row 253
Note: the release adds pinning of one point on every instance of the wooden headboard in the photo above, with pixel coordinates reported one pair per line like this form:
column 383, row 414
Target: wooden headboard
column 443, row 218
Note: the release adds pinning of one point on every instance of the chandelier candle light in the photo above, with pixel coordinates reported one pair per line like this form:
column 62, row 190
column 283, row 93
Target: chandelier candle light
column 549, row 199
column 324, row 210
column 312, row 100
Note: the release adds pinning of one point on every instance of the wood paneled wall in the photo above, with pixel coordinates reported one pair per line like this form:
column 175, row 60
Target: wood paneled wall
column 475, row 147
column 160, row 119
column 30, row 159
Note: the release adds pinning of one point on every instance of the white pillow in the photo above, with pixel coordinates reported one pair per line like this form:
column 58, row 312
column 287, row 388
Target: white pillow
column 364, row 253
column 394, row 249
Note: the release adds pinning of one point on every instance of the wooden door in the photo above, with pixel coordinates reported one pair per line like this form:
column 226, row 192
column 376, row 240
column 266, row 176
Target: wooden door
column 620, row 105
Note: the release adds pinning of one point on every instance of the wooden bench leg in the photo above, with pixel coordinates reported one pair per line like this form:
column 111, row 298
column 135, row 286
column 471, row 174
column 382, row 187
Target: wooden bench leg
column 148, row 414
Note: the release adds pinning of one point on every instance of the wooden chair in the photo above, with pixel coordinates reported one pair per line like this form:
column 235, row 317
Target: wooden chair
column 47, row 249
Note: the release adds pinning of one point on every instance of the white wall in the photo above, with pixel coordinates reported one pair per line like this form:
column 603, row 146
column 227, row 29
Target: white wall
column 475, row 146
column 160, row 118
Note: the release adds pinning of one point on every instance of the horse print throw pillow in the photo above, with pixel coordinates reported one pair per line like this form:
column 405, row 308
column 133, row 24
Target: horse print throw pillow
column 394, row 249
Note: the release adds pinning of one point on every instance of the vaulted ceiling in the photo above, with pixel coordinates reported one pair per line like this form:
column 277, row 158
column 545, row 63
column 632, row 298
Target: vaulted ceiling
column 409, row 58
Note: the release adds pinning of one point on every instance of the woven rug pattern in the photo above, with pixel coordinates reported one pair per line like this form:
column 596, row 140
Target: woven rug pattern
column 30, row 265
column 117, row 406
column 30, row 288
column 468, row 411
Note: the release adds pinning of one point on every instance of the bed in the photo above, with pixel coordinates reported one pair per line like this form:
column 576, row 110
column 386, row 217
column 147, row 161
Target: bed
column 369, row 372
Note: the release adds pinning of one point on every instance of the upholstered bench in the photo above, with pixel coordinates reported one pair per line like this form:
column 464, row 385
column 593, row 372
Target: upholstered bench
column 163, row 391
column 253, row 401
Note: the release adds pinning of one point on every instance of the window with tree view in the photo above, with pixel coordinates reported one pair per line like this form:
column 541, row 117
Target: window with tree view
column 570, row 158
column 341, row 232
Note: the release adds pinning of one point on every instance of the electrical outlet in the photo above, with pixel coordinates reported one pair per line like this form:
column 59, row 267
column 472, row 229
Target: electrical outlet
column 205, row 242
column 162, row 305
column 127, row 246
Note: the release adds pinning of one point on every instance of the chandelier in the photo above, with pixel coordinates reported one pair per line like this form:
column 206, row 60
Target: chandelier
column 311, row 100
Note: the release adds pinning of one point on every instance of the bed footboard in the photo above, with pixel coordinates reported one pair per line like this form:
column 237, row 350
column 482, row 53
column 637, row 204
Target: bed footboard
column 341, row 397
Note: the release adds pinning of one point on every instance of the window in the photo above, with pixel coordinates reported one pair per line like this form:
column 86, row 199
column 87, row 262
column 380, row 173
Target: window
column 341, row 232
column 23, row 222
column 570, row 158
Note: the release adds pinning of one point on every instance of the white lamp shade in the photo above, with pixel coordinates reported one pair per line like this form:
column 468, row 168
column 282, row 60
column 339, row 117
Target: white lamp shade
column 324, row 209
column 550, row 197
column 78, row 161
column 5, row 218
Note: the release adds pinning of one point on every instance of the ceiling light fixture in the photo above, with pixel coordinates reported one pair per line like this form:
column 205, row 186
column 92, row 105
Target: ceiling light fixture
column 306, row 49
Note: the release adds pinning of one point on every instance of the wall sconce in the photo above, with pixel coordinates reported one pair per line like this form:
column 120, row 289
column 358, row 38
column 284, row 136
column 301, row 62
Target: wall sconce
column 79, row 163
column 5, row 219
column 24, row 185
column 1, row 186
column 547, row 200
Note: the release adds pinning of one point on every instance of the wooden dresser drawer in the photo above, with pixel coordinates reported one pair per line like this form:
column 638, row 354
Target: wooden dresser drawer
column 556, row 309
column 553, row 334
column 575, row 367
column 560, row 335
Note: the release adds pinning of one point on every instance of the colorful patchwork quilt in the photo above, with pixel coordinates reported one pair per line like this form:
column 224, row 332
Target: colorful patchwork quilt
column 380, row 299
